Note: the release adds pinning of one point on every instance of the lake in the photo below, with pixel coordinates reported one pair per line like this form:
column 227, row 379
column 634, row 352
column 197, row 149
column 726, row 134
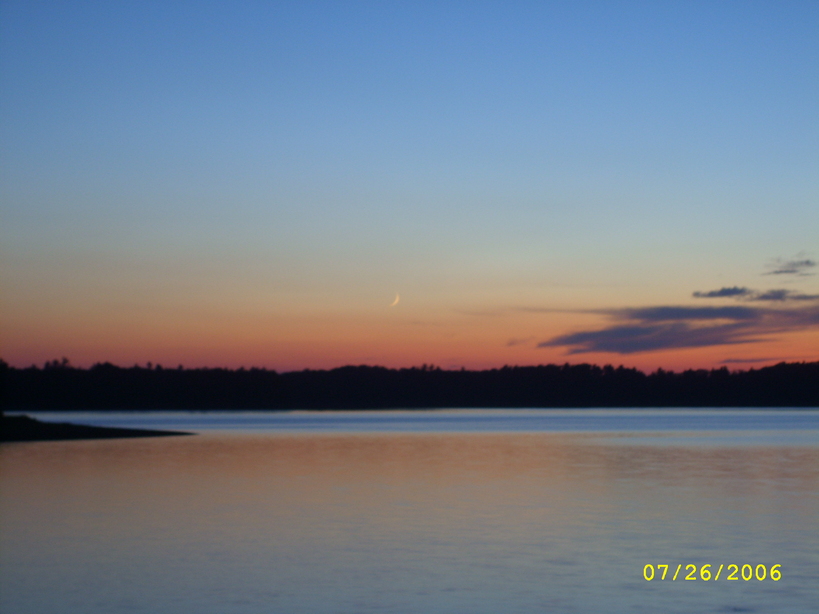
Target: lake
column 474, row 511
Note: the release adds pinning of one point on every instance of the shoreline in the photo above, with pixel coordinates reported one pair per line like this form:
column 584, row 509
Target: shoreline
column 25, row 428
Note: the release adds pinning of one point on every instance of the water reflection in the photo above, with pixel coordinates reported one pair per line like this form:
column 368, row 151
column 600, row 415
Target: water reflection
column 391, row 522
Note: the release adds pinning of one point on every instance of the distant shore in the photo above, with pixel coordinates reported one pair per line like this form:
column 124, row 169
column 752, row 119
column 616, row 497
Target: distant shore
column 59, row 386
column 24, row 428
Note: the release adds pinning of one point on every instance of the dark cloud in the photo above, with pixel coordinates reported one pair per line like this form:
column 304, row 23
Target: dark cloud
column 723, row 292
column 784, row 295
column 668, row 314
column 791, row 267
column 772, row 295
column 746, row 294
column 797, row 318
column 658, row 328
column 644, row 338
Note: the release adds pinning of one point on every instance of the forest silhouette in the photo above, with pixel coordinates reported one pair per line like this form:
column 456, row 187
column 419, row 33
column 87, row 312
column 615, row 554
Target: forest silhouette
column 59, row 386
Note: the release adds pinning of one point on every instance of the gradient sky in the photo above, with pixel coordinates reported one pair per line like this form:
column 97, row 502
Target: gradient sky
column 253, row 183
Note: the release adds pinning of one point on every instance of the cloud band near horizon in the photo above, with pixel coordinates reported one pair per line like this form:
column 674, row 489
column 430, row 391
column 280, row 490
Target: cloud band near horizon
column 666, row 327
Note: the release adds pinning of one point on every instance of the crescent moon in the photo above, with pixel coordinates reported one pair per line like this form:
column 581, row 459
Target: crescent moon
column 395, row 302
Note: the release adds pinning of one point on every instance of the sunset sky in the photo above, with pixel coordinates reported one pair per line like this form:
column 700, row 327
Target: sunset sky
column 255, row 183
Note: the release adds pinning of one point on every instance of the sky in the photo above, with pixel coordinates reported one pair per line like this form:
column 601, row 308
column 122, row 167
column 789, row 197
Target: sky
column 304, row 184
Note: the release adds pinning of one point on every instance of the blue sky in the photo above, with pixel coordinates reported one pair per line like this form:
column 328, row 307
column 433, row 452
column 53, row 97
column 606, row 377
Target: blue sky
column 276, row 172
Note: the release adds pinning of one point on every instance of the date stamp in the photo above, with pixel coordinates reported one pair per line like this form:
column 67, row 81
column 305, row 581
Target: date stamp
column 707, row 572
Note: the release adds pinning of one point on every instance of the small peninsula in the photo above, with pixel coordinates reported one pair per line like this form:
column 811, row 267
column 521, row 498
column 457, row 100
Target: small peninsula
column 25, row 428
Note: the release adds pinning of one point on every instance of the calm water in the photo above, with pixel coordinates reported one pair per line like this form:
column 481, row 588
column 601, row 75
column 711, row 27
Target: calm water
column 417, row 512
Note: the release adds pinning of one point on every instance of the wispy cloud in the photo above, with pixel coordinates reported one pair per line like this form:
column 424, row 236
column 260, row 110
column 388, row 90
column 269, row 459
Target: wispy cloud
column 645, row 329
column 669, row 314
column 746, row 294
column 784, row 295
column 658, row 328
column 724, row 292
column 795, row 266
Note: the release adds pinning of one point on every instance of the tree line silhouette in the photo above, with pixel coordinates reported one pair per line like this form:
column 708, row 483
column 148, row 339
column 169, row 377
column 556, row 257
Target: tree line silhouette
column 58, row 385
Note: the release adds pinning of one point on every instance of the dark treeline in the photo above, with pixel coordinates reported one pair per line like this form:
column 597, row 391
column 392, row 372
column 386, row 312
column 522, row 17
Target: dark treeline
column 106, row 386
